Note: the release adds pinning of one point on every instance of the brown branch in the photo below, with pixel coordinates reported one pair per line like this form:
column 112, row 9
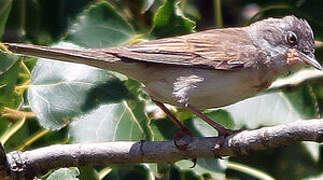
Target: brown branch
column 37, row 162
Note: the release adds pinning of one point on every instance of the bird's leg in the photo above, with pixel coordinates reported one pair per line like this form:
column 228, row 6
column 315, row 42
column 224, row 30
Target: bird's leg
column 184, row 129
column 172, row 117
column 221, row 129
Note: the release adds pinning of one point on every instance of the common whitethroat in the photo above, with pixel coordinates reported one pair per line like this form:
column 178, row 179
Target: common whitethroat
column 202, row 70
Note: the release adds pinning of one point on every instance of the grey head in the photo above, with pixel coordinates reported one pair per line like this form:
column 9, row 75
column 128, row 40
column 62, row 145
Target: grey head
column 288, row 42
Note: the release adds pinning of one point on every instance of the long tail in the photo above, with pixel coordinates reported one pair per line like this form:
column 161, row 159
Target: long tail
column 92, row 57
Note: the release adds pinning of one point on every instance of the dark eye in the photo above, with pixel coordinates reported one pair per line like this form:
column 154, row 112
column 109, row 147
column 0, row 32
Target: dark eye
column 292, row 38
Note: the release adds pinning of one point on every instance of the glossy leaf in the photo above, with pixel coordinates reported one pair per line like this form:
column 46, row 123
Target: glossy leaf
column 59, row 91
column 304, row 101
column 170, row 21
column 264, row 110
column 100, row 26
column 117, row 121
column 65, row 174
column 313, row 149
column 100, row 104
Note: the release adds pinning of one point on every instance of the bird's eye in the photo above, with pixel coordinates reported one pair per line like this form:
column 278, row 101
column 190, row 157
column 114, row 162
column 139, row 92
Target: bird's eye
column 292, row 38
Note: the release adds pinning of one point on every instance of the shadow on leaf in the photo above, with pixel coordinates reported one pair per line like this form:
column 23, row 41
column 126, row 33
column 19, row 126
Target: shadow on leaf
column 113, row 91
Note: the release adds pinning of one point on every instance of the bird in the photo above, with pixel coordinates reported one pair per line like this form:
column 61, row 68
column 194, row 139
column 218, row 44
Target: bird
column 202, row 70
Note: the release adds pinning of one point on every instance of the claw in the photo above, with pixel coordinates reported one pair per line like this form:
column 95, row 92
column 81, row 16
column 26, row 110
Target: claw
column 218, row 147
column 194, row 160
column 180, row 141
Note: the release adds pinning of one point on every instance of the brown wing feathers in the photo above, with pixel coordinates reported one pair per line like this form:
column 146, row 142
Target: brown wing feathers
column 213, row 49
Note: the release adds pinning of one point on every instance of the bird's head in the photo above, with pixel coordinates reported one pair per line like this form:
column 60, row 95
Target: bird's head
column 288, row 41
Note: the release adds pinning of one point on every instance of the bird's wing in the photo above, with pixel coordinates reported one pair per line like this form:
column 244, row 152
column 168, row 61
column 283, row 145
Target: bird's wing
column 223, row 49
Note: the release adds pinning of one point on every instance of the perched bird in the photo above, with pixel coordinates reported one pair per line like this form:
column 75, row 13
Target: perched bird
column 207, row 69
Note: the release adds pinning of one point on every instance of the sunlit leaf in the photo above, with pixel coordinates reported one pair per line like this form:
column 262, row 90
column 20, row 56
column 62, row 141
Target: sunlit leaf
column 60, row 91
column 110, row 122
column 100, row 26
column 265, row 110
column 101, row 105
column 64, row 174
column 314, row 149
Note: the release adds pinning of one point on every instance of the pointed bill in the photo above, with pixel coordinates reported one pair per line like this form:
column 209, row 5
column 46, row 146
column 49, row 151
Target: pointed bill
column 309, row 60
column 294, row 55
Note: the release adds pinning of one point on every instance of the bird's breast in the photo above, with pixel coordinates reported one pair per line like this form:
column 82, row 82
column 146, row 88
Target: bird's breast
column 204, row 88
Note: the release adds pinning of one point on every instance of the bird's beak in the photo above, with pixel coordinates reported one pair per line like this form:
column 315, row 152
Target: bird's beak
column 310, row 60
column 304, row 58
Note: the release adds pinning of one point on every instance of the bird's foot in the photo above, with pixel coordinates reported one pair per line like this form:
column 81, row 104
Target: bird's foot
column 226, row 132
column 222, row 139
column 181, row 139
column 219, row 147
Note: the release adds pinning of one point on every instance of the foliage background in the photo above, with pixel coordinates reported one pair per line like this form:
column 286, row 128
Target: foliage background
column 46, row 102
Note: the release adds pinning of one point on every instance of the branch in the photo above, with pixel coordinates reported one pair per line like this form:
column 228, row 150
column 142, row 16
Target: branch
column 39, row 161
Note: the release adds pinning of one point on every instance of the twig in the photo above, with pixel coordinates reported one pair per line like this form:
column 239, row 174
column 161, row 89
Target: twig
column 37, row 162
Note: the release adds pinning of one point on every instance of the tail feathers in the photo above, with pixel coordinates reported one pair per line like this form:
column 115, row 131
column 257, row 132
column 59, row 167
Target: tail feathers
column 90, row 57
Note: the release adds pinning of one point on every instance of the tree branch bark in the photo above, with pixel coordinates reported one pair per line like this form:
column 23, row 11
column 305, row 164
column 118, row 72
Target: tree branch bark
column 26, row 165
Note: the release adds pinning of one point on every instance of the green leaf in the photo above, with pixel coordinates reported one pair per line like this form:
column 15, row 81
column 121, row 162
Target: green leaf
column 5, row 7
column 9, row 68
column 60, row 91
column 203, row 129
column 213, row 167
column 88, row 173
column 100, row 26
column 64, row 174
column 153, row 169
column 313, row 149
column 163, row 129
column 101, row 105
column 264, row 110
column 304, row 101
column 170, row 21
column 117, row 121
column 126, row 171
